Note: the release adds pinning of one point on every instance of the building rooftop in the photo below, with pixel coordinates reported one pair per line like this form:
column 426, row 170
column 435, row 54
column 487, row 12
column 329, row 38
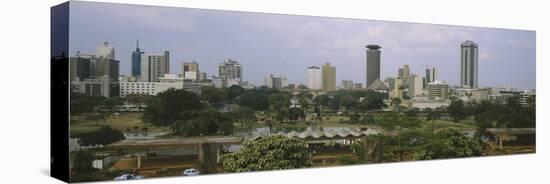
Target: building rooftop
column 373, row 47
column 469, row 43
column 378, row 85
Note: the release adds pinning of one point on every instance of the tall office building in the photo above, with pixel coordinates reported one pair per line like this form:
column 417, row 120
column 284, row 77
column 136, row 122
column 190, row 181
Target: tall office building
column 190, row 70
column 105, row 67
column 96, row 75
column 105, row 50
column 136, row 61
column 431, row 74
column 230, row 69
column 154, row 67
column 314, row 77
column 328, row 77
column 79, row 67
column 373, row 63
column 404, row 72
column 468, row 64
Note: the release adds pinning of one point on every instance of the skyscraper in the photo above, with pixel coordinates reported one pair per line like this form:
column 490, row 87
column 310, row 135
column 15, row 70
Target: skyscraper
column 314, row 77
column 328, row 77
column 431, row 74
column 404, row 72
column 468, row 64
column 136, row 60
column 105, row 50
column 373, row 63
column 154, row 67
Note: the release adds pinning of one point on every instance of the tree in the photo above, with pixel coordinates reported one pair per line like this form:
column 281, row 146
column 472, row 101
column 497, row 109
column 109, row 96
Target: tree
column 396, row 122
column 396, row 103
column 456, row 110
column 81, row 103
column 279, row 104
column 165, row 108
column 295, row 114
column 372, row 100
column 104, row 136
column 268, row 153
column 349, row 102
column 278, row 101
column 233, row 92
column 206, row 122
column 214, row 96
column 244, row 115
column 138, row 99
column 257, row 99
column 111, row 103
column 450, row 143
column 82, row 162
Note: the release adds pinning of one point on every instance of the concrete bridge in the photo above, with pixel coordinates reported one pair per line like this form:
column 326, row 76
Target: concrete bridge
column 208, row 151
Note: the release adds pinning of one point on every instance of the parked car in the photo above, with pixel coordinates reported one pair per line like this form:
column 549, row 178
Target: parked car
column 129, row 177
column 191, row 172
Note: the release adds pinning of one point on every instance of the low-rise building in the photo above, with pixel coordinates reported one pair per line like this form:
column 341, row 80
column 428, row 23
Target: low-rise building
column 438, row 90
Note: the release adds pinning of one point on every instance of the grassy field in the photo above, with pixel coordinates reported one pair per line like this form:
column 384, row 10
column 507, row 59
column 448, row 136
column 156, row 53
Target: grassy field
column 121, row 122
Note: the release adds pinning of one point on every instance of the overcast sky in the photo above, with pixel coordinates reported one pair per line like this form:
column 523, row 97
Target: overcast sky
column 286, row 45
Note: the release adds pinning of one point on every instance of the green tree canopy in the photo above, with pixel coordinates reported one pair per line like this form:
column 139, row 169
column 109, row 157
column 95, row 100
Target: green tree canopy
column 164, row 109
column 214, row 96
column 105, row 135
column 450, row 143
column 138, row 99
column 457, row 110
column 257, row 99
column 233, row 92
column 269, row 153
column 206, row 122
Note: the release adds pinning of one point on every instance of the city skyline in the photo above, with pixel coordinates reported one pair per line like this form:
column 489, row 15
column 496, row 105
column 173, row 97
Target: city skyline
column 268, row 43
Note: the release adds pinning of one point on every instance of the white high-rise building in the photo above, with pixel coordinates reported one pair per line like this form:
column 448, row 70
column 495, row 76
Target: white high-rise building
column 314, row 77
column 154, row 67
column 468, row 64
column 105, row 51
column 230, row 69
column 414, row 82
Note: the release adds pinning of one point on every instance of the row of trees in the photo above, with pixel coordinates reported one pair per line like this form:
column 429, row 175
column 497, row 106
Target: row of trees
column 186, row 115
column 486, row 114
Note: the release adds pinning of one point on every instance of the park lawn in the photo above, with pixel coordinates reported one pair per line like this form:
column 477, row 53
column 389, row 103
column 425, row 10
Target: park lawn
column 443, row 124
column 334, row 119
column 120, row 122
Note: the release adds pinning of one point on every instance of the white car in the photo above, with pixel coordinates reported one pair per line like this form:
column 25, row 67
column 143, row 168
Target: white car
column 191, row 172
column 129, row 177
